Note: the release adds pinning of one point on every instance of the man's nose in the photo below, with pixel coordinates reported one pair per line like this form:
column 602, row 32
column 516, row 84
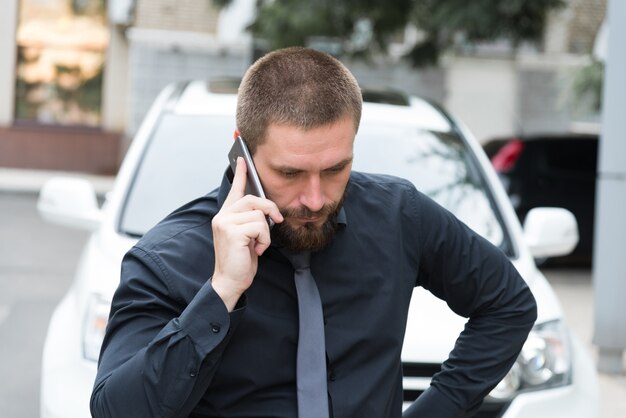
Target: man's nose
column 312, row 196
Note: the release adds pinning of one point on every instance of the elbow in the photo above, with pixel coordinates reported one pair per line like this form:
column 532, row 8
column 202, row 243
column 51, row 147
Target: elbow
column 528, row 308
column 96, row 403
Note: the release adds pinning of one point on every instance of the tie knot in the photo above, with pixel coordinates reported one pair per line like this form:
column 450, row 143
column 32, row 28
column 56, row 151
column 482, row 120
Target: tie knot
column 300, row 260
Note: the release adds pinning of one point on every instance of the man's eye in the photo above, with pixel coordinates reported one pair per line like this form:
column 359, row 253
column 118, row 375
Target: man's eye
column 334, row 170
column 289, row 174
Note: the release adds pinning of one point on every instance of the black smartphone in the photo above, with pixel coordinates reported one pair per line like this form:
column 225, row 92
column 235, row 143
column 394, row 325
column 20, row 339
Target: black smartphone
column 253, row 182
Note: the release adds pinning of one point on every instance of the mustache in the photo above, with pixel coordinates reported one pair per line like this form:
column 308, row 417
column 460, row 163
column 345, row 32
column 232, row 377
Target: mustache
column 305, row 212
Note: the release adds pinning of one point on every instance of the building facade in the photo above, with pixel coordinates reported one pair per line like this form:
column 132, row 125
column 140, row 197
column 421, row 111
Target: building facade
column 78, row 76
column 56, row 112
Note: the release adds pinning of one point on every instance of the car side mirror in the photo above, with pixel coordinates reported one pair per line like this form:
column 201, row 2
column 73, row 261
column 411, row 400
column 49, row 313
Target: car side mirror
column 70, row 202
column 550, row 232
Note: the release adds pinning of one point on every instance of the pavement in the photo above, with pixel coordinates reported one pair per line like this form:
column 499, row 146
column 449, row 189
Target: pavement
column 573, row 286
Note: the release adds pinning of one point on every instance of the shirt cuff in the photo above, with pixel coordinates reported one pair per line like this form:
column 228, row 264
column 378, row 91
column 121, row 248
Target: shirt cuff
column 207, row 321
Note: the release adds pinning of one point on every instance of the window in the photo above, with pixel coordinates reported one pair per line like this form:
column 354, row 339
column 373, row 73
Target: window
column 61, row 48
column 185, row 159
column 440, row 165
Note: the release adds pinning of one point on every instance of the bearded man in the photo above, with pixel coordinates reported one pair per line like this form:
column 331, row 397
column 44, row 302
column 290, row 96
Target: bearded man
column 219, row 315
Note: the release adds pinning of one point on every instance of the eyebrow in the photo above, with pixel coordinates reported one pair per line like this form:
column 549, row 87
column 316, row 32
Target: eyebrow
column 290, row 169
column 340, row 164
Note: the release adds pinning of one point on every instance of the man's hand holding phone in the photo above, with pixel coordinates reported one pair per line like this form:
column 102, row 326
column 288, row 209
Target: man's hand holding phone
column 240, row 235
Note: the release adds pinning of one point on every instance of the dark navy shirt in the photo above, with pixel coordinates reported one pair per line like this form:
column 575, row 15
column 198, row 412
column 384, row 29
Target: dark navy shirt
column 172, row 350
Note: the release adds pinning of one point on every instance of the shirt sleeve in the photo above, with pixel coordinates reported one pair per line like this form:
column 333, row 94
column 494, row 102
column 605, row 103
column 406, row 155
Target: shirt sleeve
column 477, row 281
column 158, row 356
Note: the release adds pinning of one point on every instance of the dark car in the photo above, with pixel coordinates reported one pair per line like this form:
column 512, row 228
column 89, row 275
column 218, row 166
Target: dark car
column 551, row 170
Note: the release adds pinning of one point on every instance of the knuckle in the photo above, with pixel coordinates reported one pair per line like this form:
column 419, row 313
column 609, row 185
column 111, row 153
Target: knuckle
column 248, row 199
column 217, row 223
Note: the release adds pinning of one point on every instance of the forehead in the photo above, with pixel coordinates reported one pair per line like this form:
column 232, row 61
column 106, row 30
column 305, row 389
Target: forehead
column 332, row 142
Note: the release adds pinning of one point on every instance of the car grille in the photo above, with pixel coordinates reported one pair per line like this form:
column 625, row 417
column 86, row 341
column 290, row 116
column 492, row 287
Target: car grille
column 417, row 376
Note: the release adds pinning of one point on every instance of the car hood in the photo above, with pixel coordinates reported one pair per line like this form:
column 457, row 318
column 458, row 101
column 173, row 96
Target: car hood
column 433, row 328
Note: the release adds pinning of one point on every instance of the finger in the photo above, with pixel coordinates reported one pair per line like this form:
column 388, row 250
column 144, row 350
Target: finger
column 238, row 188
column 241, row 218
column 275, row 215
column 251, row 203
column 256, row 233
column 261, row 243
column 254, row 225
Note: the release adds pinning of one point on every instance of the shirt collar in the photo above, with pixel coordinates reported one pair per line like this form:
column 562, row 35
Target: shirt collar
column 342, row 219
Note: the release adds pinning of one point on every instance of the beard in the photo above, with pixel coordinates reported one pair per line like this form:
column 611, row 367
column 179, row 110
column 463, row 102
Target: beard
column 309, row 236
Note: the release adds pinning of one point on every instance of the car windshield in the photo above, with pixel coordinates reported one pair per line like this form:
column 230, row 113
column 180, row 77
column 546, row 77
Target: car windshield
column 186, row 158
column 440, row 165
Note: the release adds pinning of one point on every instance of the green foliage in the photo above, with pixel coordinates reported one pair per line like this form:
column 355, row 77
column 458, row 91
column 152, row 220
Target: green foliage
column 295, row 22
column 485, row 19
column 221, row 3
column 587, row 84
column 477, row 20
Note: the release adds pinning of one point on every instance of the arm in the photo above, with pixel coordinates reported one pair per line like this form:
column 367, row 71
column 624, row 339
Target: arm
column 158, row 358
column 161, row 350
column 477, row 281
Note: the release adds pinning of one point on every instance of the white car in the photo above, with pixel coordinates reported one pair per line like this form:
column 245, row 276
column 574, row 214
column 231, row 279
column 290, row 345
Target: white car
column 180, row 153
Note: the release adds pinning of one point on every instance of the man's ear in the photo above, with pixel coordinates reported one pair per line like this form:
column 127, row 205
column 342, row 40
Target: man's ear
column 236, row 134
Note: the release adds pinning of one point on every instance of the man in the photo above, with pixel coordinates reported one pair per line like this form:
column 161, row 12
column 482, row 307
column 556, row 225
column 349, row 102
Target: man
column 205, row 320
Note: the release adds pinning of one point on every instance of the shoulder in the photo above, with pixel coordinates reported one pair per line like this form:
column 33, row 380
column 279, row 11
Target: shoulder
column 380, row 189
column 361, row 181
column 388, row 199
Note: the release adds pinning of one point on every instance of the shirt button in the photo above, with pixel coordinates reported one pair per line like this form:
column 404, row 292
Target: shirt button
column 215, row 328
column 332, row 376
column 192, row 374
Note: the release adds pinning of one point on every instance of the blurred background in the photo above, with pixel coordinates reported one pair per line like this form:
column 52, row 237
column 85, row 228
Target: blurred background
column 78, row 76
column 87, row 70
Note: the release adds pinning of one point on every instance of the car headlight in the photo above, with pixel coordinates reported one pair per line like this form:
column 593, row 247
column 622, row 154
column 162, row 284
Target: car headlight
column 94, row 327
column 544, row 362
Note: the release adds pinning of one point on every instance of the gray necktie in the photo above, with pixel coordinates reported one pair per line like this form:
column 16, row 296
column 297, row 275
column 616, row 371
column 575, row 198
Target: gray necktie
column 311, row 356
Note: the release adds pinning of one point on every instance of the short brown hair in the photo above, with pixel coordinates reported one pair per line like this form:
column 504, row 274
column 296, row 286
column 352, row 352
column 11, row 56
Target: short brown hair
column 295, row 86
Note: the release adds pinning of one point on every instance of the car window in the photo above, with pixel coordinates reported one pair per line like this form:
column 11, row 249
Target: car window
column 185, row 159
column 187, row 156
column 440, row 165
